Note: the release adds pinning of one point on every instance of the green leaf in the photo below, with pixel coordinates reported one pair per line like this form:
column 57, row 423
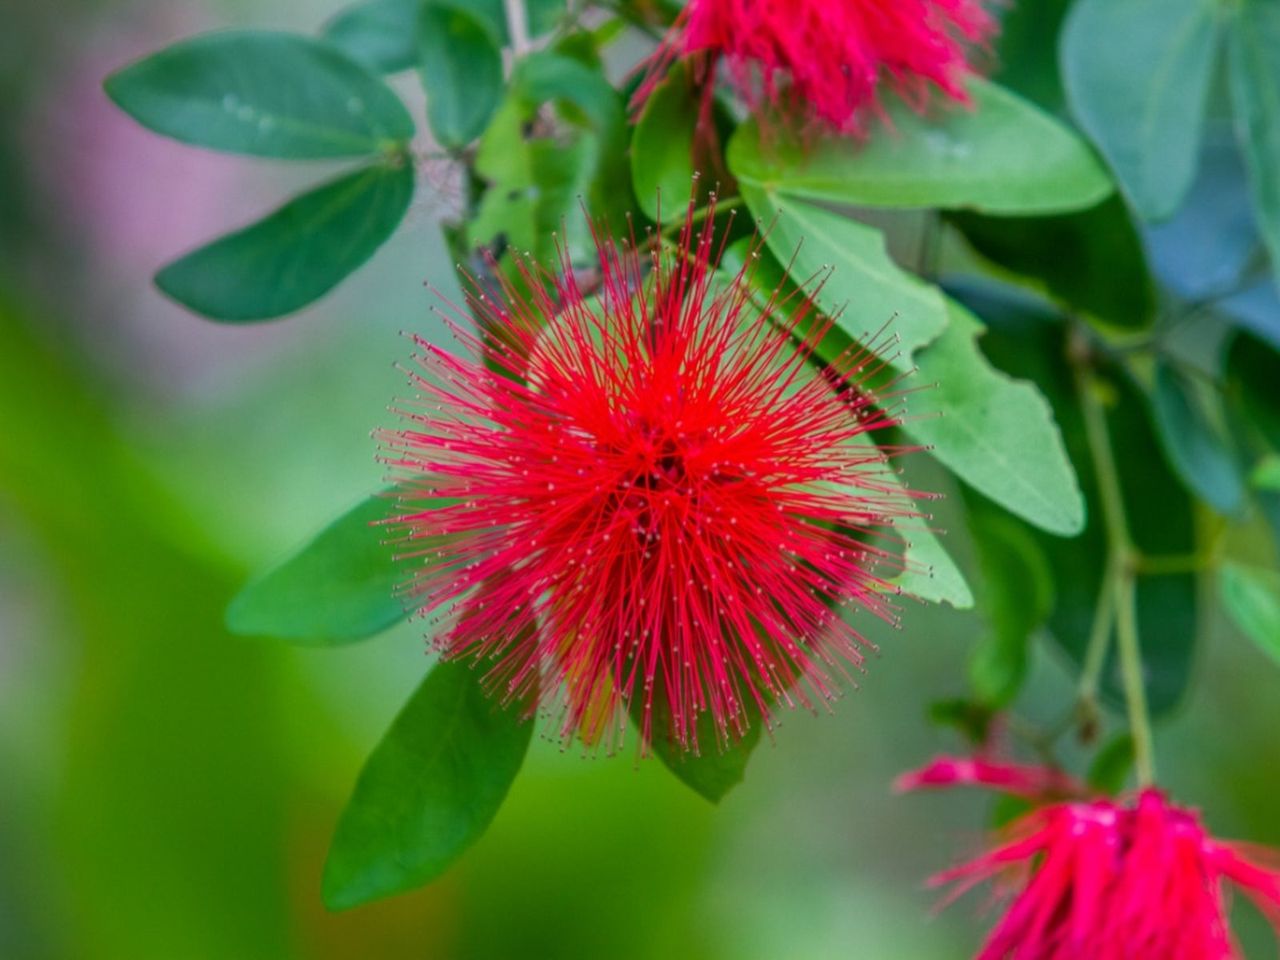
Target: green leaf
column 461, row 66
column 265, row 94
column 1112, row 764
column 711, row 772
column 662, row 146
column 1092, row 261
column 929, row 573
column 1025, row 339
column 428, row 791
column 1003, row 156
column 1137, row 78
column 1195, row 444
column 1266, row 475
column 866, row 290
column 995, row 433
column 381, row 34
column 1022, row 63
column 1253, row 373
column 1251, row 596
column 298, row 253
column 536, row 185
column 1255, row 93
column 341, row 587
column 1016, row 595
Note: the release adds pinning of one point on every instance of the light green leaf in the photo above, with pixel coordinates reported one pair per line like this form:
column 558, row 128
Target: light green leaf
column 1266, row 475
column 341, row 587
column 995, row 433
column 265, row 94
column 461, row 66
column 662, row 146
column 930, row 574
column 866, row 288
column 428, row 791
column 1195, row 444
column 1251, row 596
column 1137, row 78
column 1255, row 93
column 298, row 253
column 1002, row 156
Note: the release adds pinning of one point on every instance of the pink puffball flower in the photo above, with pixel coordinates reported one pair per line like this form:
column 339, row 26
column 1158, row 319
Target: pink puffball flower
column 1107, row 879
column 829, row 60
column 647, row 496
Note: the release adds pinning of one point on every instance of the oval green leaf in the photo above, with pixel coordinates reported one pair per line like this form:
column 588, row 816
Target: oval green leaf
column 461, row 66
column 265, row 94
column 341, row 587
column 1002, row 155
column 1255, row 82
column 1251, row 596
column 298, row 253
column 1016, row 598
column 995, row 433
column 1137, row 80
column 1195, row 444
column 381, row 34
column 428, row 791
column 662, row 146
column 1091, row 261
column 866, row 290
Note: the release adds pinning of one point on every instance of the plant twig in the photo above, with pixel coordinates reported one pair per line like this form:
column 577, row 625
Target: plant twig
column 1122, row 560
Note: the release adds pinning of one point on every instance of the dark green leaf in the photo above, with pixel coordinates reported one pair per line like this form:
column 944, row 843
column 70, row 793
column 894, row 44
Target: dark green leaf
column 971, row 719
column 1112, row 764
column 428, row 791
column 1024, row 61
column 1015, row 599
column 866, row 289
column 1251, row 596
column 1194, row 442
column 662, row 146
column 1091, row 261
column 266, row 94
column 1137, row 81
column 714, row 769
column 461, row 66
column 341, row 587
column 1003, row 156
column 995, row 433
column 382, row 34
column 1028, row 340
column 1253, row 379
column 1255, row 92
column 1256, row 309
column 298, row 253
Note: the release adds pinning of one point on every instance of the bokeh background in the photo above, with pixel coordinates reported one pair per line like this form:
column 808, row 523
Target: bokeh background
column 168, row 791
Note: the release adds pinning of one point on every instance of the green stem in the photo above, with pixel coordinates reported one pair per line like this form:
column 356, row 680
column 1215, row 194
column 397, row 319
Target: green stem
column 1095, row 656
column 1122, row 562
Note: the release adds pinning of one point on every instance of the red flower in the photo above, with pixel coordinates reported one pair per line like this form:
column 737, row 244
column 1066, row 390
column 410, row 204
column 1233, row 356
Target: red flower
column 1110, row 880
column 1031, row 783
column 827, row 59
column 651, row 498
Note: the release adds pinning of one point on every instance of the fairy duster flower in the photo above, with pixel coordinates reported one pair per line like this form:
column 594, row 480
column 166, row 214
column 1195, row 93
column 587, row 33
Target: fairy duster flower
column 647, row 496
column 829, row 59
column 1110, row 879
